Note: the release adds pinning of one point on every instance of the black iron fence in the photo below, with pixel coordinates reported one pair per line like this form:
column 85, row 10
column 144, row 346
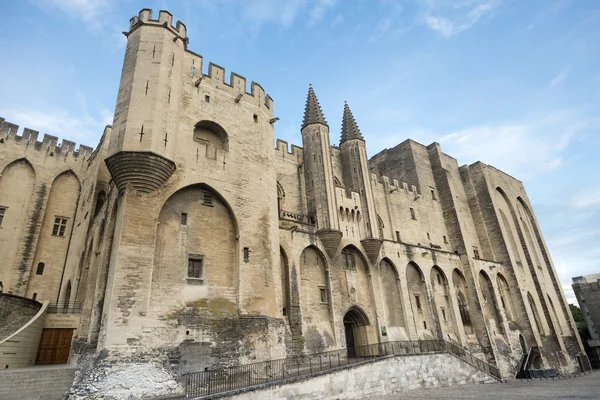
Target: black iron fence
column 70, row 307
column 198, row 384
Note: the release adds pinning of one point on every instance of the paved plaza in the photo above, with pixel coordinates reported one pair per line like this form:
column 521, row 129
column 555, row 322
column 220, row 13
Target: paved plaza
column 583, row 387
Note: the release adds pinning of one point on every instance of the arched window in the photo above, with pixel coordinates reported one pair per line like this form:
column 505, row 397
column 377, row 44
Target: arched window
column 40, row 269
column 463, row 308
column 100, row 199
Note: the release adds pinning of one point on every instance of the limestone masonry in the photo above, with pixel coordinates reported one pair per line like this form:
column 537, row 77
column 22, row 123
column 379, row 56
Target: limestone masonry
column 188, row 242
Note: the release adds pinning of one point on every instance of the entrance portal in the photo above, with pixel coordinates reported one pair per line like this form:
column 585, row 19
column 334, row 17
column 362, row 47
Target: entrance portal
column 358, row 331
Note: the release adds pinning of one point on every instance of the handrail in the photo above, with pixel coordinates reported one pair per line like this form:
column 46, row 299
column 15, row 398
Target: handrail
column 64, row 307
column 220, row 380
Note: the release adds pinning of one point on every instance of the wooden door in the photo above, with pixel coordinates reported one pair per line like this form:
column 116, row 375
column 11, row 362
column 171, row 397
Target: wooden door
column 55, row 346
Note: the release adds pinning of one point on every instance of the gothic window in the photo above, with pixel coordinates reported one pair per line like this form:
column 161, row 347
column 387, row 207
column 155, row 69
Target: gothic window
column 462, row 308
column 2, row 213
column 348, row 259
column 60, row 226
column 195, row 266
column 40, row 269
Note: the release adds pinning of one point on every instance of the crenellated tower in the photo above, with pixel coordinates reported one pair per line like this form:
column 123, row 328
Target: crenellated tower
column 143, row 141
column 356, row 176
column 318, row 173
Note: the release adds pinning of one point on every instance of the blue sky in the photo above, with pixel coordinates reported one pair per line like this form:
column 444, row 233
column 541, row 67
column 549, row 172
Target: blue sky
column 515, row 84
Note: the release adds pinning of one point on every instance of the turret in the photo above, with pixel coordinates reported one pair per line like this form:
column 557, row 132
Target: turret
column 141, row 150
column 356, row 177
column 318, row 173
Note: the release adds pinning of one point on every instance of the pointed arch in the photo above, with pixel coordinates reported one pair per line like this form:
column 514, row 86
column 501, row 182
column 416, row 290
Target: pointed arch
column 460, row 286
column 419, row 298
column 489, row 299
column 506, row 299
column 442, row 302
column 196, row 245
column 285, row 282
column 390, row 293
column 17, row 188
column 534, row 311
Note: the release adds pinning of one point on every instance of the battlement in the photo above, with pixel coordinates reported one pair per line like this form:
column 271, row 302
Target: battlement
column 49, row 143
column 165, row 19
column 215, row 75
column 393, row 185
column 281, row 149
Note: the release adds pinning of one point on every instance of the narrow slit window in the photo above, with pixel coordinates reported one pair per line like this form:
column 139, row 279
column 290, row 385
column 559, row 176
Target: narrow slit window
column 34, row 297
column 445, row 240
column 444, row 314
column 412, row 213
column 2, row 213
column 255, row 118
column 60, row 226
column 425, row 324
column 246, row 254
column 183, row 218
column 433, row 195
column 397, row 236
column 323, row 293
column 418, row 301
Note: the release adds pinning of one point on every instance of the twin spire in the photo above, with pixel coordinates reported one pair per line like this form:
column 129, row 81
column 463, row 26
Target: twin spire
column 314, row 115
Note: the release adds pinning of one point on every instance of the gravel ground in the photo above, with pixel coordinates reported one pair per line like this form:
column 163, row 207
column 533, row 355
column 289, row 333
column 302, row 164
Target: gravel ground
column 583, row 387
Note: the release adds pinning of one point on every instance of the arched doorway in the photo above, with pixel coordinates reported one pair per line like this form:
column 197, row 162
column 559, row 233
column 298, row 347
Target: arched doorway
column 355, row 327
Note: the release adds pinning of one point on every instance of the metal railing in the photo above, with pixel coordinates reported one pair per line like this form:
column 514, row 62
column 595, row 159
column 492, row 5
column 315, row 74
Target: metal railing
column 71, row 307
column 198, row 384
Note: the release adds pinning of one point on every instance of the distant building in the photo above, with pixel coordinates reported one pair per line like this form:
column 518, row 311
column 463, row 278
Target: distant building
column 587, row 291
column 187, row 240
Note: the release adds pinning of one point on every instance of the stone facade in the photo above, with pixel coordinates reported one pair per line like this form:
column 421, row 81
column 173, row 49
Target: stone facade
column 587, row 291
column 192, row 243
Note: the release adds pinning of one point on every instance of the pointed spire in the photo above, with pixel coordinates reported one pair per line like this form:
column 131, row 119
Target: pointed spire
column 349, row 127
column 312, row 112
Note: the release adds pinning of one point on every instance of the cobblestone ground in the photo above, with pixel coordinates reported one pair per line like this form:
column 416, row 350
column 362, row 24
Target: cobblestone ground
column 583, row 387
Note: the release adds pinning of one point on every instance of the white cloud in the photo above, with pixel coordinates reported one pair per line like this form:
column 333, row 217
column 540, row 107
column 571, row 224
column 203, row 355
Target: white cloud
column 318, row 10
column 558, row 79
column 587, row 198
column 83, row 127
column 521, row 149
column 87, row 10
column 451, row 18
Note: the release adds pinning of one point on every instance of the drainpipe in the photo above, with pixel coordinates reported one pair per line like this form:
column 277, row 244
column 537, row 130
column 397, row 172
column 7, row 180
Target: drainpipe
column 62, row 276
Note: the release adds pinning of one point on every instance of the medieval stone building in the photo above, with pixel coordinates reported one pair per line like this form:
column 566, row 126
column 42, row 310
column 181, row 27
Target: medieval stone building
column 185, row 237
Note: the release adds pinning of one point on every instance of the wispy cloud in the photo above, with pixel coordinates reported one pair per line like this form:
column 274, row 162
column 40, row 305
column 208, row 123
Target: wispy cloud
column 523, row 149
column 587, row 198
column 83, row 127
column 558, row 79
column 451, row 18
column 318, row 10
column 86, row 10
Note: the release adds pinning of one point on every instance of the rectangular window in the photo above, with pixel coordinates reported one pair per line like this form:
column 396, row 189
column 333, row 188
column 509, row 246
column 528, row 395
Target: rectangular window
column 2, row 212
column 60, row 226
column 323, row 293
column 476, row 253
column 444, row 314
column 433, row 194
column 255, row 118
column 246, row 254
column 425, row 324
column 398, row 236
column 445, row 240
column 418, row 301
column 412, row 213
column 195, row 266
column 183, row 218
column 40, row 269
column 348, row 260
column 207, row 99
column 428, row 237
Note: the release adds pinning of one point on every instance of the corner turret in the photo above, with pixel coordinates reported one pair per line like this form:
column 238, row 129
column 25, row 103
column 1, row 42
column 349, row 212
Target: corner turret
column 318, row 174
column 355, row 168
